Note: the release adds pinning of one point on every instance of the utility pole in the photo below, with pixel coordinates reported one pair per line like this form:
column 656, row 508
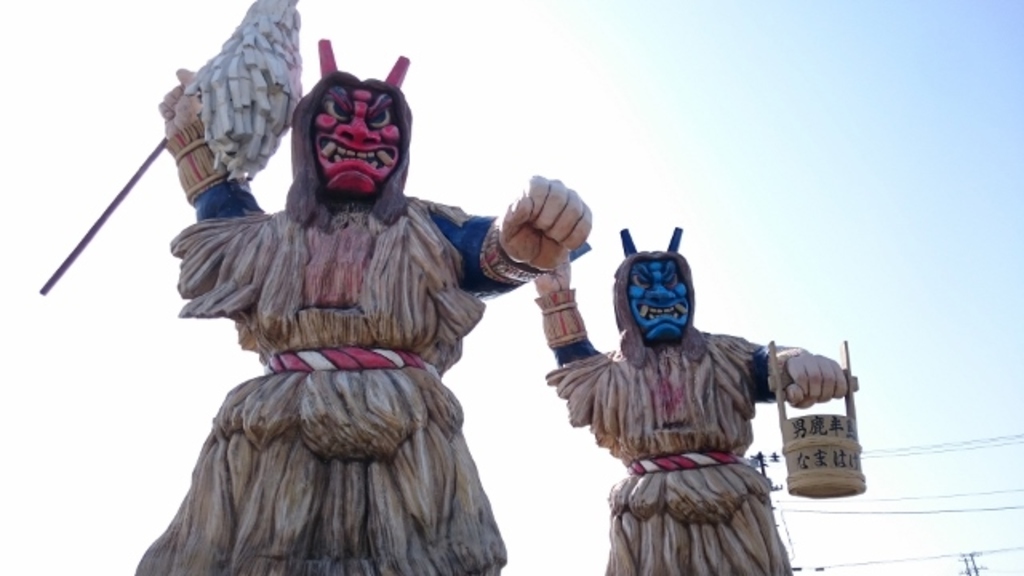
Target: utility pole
column 760, row 459
column 970, row 567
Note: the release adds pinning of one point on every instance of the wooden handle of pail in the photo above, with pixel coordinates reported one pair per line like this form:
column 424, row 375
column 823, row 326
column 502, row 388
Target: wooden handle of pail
column 775, row 384
column 851, row 381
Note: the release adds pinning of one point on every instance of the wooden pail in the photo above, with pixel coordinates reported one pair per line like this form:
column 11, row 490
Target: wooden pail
column 822, row 450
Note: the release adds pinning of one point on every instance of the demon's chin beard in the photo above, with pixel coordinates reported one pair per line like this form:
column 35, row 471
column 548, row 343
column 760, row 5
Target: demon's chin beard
column 335, row 201
column 329, row 196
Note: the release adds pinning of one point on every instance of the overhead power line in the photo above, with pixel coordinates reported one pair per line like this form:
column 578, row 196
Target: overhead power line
column 927, row 449
column 919, row 558
column 905, row 498
column 918, row 512
column 977, row 444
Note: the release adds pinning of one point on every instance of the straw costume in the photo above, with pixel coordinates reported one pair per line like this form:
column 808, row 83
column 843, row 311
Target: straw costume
column 347, row 456
column 674, row 404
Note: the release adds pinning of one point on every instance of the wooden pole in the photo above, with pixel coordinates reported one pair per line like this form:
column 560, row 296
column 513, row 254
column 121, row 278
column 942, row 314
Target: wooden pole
column 102, row 219
column 851, row 381
column 775, row 384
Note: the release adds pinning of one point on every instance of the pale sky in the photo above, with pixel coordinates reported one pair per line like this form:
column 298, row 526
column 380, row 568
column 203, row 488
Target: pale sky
column 842, row 170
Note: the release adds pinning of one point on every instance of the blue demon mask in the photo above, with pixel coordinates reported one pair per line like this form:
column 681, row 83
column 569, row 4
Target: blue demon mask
column 658, row 300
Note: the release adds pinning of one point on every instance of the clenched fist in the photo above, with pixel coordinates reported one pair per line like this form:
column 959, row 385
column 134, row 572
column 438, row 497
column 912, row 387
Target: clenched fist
column 178, row 109
column 545, row 224
column 815, row 379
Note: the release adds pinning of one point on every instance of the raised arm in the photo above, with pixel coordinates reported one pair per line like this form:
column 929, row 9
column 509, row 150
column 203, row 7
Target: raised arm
column 563, row 325
column 206, row 185
column 538, row 232
column 487, row 271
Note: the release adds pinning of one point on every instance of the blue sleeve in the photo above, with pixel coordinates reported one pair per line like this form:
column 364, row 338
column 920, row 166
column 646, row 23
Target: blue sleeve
column 229, row 199
column 468, row 239
column 573, row 352
column 762, row 392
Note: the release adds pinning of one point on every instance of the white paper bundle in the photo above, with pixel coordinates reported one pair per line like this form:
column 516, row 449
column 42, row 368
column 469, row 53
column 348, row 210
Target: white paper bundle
column 249, row 91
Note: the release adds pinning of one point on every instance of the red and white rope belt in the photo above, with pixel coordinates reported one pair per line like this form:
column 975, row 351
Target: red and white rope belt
column 687, row 461
column 345, row 358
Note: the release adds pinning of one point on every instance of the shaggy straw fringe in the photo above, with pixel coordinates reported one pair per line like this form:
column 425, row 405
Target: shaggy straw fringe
column 333, row 473
column 707, row 521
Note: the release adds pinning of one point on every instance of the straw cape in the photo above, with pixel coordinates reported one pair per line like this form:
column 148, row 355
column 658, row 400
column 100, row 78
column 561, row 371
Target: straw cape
column 678, row 416
column 333, row 472
column 347, row 457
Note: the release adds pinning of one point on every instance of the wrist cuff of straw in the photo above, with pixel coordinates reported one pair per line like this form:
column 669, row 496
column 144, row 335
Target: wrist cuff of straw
column 197, row 169
column 563, row 324
column 499, row 266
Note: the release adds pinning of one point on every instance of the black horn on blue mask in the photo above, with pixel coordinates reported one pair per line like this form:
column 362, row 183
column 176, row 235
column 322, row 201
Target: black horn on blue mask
column 677, row 235
column 627, row 243
column 629, row 248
